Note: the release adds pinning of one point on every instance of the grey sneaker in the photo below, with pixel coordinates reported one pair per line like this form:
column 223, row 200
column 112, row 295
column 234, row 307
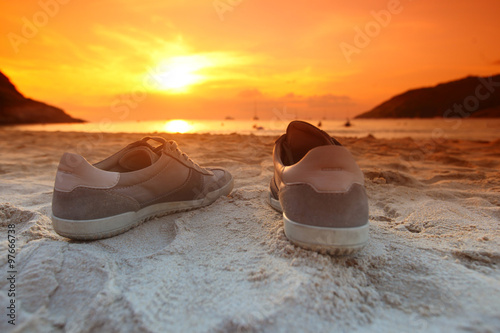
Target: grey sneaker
column 135, row 184
column 320, row 190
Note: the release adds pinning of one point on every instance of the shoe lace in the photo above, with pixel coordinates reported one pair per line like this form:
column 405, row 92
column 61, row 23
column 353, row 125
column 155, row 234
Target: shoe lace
column 171, row 147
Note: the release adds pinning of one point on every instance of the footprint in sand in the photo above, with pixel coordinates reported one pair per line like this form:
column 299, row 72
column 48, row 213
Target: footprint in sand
column 478, row 260
column 148, row 238
column 391, row 177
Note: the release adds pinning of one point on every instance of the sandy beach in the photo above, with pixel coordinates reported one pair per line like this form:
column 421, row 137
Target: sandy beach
column 431, row 265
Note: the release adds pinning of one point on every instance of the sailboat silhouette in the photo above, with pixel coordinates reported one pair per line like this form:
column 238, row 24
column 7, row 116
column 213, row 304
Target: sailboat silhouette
column 255, row 117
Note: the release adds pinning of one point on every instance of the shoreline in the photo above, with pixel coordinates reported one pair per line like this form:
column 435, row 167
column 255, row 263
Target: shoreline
column 381, row 129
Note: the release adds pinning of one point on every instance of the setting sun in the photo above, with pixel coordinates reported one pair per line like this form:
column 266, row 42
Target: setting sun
column 177, row 126
column 178, row 73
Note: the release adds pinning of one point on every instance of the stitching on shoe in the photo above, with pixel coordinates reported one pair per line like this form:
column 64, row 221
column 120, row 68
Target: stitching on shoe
column 135, row 202
column 172, row 191
column 112, row 193
column 146, row 180
column 117, row 179
column 339, row 192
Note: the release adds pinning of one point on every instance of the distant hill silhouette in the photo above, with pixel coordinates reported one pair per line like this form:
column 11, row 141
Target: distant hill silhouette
column 17, row 109
column 436, row 101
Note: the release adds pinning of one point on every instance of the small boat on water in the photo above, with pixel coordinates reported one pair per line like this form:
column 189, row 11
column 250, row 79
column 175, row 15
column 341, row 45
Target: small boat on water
column 347, row 123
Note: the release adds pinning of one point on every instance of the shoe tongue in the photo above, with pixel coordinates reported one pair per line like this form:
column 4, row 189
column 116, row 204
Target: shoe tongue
column 299, row 131
column 301, row 137
column 137, row 158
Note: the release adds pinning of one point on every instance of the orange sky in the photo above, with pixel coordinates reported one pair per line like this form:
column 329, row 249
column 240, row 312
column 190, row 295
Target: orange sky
column 143, row 59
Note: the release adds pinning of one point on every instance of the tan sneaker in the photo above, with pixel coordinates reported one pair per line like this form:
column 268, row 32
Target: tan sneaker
column 320, row 190
column 135, row 184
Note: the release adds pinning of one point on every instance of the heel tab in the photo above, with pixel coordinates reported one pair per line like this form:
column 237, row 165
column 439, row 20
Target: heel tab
column 75, row 171
column 70, row 161
column 329, row 151
column 325, row 168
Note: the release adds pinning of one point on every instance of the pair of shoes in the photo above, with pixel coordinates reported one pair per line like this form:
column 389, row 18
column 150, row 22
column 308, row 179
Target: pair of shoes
column 316, row 184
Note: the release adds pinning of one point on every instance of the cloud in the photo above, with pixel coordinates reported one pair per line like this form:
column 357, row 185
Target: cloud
column 291, row 95
column 328, row 100
column 250, row 94
column 293, row 105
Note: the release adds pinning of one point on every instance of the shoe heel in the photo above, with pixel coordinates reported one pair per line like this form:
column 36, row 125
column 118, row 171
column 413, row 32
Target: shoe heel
column 335, row 241
column 274, row 203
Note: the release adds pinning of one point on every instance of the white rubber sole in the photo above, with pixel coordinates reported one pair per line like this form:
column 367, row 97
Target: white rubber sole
column 275, row 203
column 118, row 224
column 335, row 241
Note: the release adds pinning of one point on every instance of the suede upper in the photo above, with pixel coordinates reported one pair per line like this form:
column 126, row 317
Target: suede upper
column 137, row 176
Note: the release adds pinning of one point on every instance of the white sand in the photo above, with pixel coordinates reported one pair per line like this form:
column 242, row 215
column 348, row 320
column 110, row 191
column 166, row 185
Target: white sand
column 431, row 263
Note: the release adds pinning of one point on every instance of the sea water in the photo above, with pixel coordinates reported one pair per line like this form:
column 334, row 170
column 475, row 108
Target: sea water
column 457, row 128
